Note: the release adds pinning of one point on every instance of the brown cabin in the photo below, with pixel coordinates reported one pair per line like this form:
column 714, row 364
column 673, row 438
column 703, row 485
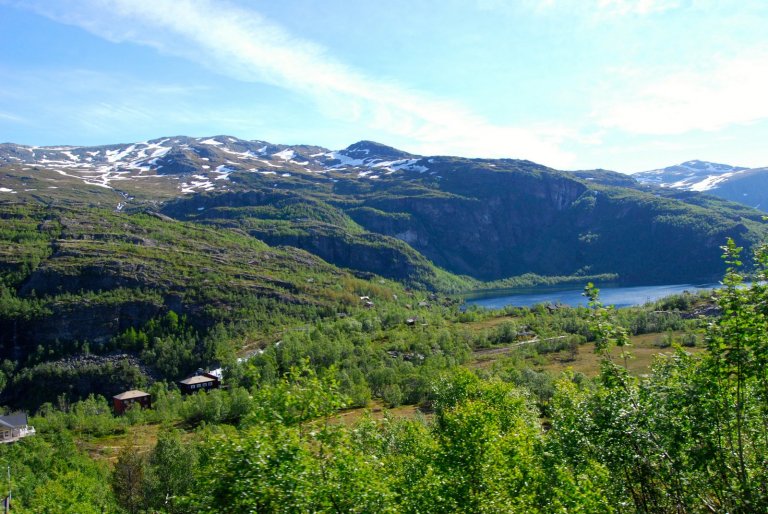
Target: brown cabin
column 123, row 401
column 201, row 381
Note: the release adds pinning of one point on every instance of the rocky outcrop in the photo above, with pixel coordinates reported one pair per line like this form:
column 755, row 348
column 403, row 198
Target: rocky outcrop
column 69, row 322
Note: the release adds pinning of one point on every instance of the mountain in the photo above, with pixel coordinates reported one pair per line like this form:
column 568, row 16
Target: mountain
column 734, row 183
column 690, row 175
column 749, row 187
column 168, row 167
column 168, row 249
column 426, row 221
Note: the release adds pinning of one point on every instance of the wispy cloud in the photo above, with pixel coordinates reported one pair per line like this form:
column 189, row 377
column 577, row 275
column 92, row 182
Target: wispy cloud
column 728, row 91
column 86, row 104
column 241, row 43
column 603, row 9
column 11, row 117
column 639, row 7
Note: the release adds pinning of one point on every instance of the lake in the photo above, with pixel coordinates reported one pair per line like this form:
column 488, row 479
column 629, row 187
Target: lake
column 618, row 296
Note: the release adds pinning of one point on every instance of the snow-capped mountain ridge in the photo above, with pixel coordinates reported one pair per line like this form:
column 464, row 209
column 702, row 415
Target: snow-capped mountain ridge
column 692, row 175
column 205, row 163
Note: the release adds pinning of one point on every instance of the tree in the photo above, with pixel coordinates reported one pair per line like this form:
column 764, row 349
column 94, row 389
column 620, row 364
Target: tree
column 128, row 479
column 167, row 477
column 735, row 387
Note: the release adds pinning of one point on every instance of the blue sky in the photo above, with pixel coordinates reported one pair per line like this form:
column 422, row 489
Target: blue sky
column 627, row 85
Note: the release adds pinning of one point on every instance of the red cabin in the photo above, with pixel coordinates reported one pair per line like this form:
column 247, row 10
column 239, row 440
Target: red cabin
column 199, row 382
column 124, row 400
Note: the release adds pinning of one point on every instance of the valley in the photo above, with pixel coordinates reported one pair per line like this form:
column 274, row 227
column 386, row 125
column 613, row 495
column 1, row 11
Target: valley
column 330, row 287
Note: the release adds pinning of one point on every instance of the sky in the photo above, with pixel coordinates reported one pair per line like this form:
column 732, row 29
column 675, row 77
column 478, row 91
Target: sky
column 627, row 85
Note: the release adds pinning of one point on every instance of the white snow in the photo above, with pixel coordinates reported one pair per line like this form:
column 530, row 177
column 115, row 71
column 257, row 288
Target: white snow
column 285, row 155
column 205, row 185
column 401, row 164
column 117, row 155
column 159, row 151
column 244, row 155
column 710, row 182
column 211, row 142
column 6, row 190
column 344, row 160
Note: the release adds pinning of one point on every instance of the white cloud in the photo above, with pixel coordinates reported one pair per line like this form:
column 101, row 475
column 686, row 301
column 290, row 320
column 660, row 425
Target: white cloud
column 241, row 43
column 726, row 92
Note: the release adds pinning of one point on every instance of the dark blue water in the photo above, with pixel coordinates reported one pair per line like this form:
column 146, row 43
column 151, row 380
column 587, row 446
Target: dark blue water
column 618, row 296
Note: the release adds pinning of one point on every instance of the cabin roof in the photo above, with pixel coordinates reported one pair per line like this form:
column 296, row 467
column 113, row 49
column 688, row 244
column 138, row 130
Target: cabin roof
column 14, row 420
column 197, row 379
column 133, row 393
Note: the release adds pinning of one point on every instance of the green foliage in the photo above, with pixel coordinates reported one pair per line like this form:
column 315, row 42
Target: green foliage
column 299, row 397
column 167, row 472
column 128, row 478
column 46, row 382
column 692, row 436
column 50, row 475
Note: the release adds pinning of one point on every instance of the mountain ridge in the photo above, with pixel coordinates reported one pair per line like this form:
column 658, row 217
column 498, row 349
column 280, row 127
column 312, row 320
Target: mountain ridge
column 377, row 209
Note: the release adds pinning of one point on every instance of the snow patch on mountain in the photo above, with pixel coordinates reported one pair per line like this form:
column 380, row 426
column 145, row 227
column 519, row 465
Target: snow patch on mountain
column 285, row 155
column 710, row 182
column 690, row 175
column 192, row 165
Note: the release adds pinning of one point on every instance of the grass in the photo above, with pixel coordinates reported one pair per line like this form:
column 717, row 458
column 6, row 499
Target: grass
column 644, row 349
column 143, row 437
column 377, row 411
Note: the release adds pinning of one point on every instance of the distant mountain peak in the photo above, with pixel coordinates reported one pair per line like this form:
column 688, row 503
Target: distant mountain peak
column 704, row 166
column 373, row 150
column 693, row 175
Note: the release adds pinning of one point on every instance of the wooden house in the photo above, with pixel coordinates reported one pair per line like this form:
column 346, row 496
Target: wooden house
column 123, row 401
column 14, row 426
column 199, row 382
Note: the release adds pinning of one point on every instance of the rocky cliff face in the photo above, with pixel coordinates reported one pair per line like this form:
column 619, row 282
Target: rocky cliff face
column 69, row 322
column 488, row 227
